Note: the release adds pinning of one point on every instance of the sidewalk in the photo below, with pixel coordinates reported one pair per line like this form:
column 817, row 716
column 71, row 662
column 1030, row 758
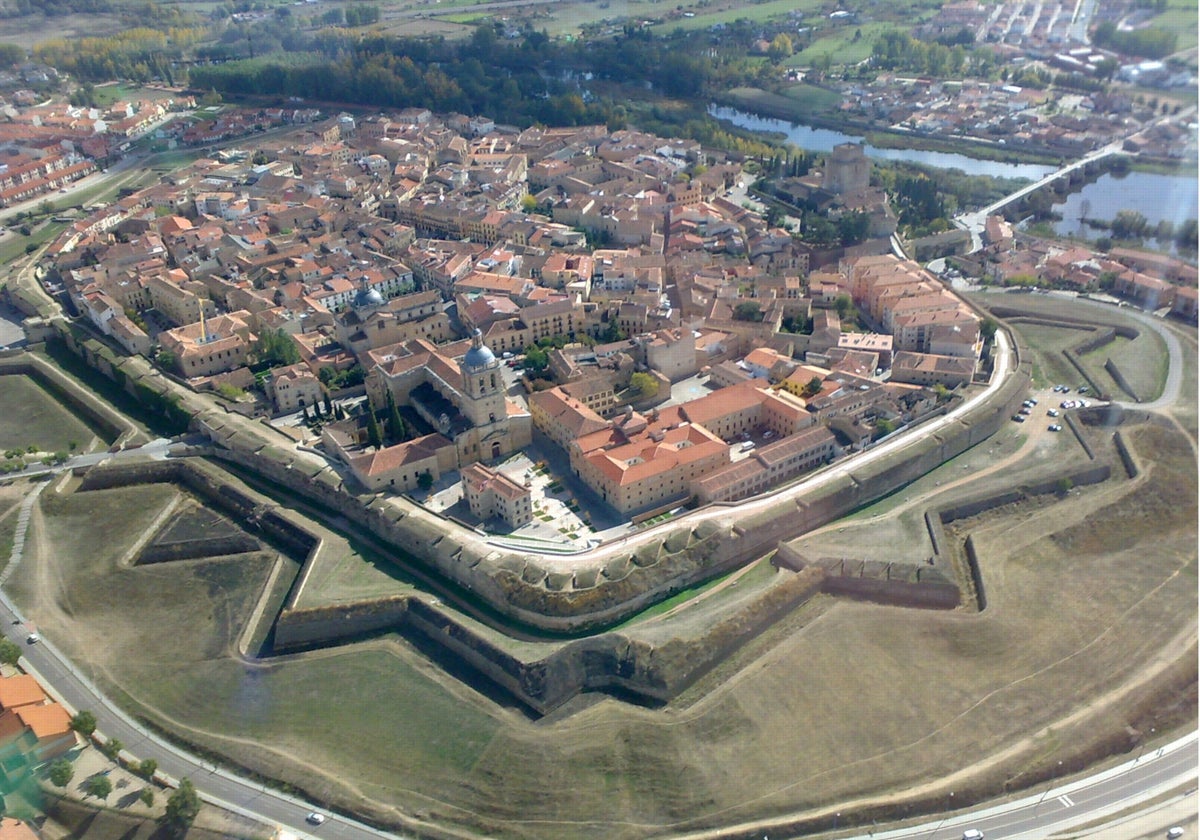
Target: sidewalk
column 1151, row 824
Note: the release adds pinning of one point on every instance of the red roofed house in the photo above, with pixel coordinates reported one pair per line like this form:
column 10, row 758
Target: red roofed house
column 491, row 494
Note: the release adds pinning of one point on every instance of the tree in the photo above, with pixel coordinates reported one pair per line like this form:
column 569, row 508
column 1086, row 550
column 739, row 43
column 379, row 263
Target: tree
column 84, row 723
column 112, row 748
column 747, row 311
column 98, row 786
column 644, row 383
column 147, row 797
column 10, row 652
column 147, row 767
column 781, row 47
column 536, row 359
column 987, row 329
column 397, row 431
column 844, row 305
column 812, row 387
column 1063, row 486
column 425, row 481
column 182, row 806
column 276, row 347
column 374, row 436
column 61, row 772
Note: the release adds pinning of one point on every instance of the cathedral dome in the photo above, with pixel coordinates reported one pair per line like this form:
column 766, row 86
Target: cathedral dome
column 367, row 297
column 479, row 356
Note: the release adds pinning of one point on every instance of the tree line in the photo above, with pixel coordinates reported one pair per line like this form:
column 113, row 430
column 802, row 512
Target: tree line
column 1151, row 42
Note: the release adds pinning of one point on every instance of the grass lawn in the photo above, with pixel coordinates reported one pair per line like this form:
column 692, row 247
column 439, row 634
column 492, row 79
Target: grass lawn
column 813, row 99
column 841, row 45
column 784, row 107
column 383, row 722
column 755, row 12
column 16, row 245
column 32, row 417
column 1181, row 18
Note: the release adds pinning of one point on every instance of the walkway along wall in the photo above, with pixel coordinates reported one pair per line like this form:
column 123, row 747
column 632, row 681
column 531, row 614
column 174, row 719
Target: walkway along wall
column 527, row 589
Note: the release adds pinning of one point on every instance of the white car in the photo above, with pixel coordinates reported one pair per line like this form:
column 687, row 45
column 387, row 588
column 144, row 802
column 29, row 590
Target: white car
column 315, row 818
column 1174, row 832
column 972, row 834
column 33, row 639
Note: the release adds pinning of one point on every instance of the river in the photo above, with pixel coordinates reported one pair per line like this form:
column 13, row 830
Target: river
column 1157, row 197
column 824, row 139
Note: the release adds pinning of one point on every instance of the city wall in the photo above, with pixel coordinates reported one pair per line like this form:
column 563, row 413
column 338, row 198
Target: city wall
column 110, row 424
column 526, row 589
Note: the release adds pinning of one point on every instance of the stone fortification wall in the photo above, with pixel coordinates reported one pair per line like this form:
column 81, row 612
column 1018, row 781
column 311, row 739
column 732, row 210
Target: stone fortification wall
column 1126, row 455
column 110, row 424
column 1094, row 474
column 613, row 582
column 896, row 584
column 618, row 582
column 210, row 487
column 611, row 662
column 193, row 549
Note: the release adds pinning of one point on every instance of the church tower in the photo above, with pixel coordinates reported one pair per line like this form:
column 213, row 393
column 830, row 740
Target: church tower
column 482, row 384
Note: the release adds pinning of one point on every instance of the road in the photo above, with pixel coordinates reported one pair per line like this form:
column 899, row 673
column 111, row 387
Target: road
column 835, row 472
column 1153, row 773
column 217, row 786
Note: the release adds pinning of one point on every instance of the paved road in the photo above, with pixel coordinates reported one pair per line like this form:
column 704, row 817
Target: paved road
column 1053, row 810
column 217, row 786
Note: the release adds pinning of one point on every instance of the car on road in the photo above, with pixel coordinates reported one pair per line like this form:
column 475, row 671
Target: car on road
column 1054, row 427
column 972, row 834
column 315, row 818
column 1174, row 832
column 33, row 639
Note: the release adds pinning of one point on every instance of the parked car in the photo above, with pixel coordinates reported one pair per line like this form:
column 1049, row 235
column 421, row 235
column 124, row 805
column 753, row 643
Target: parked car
column 1019, row 418
column 1083, row 389
column 1054, row 427
column 1052, row 412
column 1026, row 410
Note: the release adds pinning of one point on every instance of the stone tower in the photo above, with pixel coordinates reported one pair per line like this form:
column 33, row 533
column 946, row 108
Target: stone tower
column 847, row 169
column 482, row 384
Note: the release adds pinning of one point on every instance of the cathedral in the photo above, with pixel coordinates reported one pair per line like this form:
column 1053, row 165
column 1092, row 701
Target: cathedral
column 462, row 398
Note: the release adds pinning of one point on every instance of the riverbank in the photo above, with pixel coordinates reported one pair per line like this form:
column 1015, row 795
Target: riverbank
column 757, row 101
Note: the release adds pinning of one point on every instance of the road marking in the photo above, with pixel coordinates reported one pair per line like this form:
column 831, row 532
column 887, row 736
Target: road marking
column 1066, row 801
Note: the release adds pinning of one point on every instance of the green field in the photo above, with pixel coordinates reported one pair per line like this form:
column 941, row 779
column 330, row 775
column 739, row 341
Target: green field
column 755, row 12
column 33, row 417
column 1180, row 17
column 798, row 104
column 845, row 45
